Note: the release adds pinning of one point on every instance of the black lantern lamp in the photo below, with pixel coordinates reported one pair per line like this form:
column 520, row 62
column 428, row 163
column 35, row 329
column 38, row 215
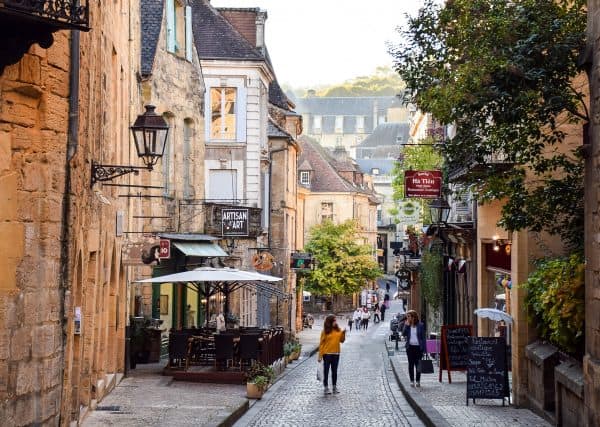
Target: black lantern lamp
column 440, row 211
column 150, row 133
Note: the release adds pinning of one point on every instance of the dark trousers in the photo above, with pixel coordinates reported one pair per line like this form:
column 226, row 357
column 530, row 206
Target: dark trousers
column 330, row 360
column 414, row 354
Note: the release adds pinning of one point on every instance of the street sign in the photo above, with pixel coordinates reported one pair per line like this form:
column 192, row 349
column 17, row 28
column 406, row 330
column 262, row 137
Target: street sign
column 234, row 222
column 164, row 251
column 423, row 184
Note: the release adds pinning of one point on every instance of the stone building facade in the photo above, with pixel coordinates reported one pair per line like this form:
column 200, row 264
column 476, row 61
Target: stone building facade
column 591, row 362
column 63, row 294
column 171, row 80
column 34, row 111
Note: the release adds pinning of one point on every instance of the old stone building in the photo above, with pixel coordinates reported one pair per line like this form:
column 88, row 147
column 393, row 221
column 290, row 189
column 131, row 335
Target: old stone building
column 332, row 187
column 171, row 80
column 238, row 74
column 591, row 362
column 284, row 127
column 63, row 297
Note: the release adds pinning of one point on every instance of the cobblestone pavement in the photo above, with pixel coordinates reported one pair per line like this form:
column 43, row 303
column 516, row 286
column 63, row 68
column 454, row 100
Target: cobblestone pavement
column 445, row 403
column 149, row 399
column 369, row 393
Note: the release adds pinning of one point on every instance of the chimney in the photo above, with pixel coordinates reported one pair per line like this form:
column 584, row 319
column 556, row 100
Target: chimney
column 261, row 17
column 311, row 93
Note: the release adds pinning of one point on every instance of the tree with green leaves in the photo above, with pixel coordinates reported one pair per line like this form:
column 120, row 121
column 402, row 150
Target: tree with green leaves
column 425, row 156
column 504, row 73
column 343, row 263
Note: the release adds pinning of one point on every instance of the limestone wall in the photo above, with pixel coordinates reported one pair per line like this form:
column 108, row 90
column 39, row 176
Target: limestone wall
column 33, row 126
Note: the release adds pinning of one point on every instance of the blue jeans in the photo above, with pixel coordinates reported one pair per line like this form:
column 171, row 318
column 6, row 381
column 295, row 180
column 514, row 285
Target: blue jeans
column 333, row 361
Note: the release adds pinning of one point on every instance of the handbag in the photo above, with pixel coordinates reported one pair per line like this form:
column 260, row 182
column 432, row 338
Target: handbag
column 425, row 365
column 319, row 371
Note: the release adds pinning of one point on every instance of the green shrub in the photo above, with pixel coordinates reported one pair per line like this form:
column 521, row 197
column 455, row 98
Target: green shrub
column 259, row 370
column 431, row 277
column 555, row 295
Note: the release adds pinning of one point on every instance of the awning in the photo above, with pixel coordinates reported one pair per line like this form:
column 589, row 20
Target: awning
column 200, row 249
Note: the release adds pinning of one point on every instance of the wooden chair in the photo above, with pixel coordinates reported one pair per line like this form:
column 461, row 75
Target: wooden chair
column 249, row 349
column 178, row 349
column 223, row 350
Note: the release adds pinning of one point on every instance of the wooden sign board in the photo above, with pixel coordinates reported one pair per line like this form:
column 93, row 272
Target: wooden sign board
column 487, row 370
column 455, row 348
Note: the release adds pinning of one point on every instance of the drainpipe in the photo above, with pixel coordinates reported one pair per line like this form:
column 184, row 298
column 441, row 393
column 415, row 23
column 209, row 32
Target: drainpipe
column 72, row 142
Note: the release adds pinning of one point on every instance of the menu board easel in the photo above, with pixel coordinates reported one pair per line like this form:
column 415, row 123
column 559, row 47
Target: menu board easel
column 487, row 373
column 455, row 347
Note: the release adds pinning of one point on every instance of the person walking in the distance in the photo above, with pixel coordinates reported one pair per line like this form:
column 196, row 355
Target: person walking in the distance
column 414, row 331
column 329, row 351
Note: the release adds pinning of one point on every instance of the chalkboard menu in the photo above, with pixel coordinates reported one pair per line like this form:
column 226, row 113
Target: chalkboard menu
column 455, row 348
column 487, row 373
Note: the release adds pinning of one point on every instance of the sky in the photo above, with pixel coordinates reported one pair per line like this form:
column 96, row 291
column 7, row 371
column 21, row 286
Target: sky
column 320, row 42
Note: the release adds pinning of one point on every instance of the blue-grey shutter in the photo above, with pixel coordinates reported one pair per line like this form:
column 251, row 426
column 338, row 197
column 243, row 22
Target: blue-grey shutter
column 188, row 33
column 170, row 25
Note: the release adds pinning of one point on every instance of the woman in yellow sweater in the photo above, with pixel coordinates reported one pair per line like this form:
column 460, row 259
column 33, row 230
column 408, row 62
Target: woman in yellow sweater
column 329, row 350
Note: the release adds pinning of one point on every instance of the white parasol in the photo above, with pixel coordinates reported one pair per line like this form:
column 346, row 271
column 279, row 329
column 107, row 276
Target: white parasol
column 211, row 274
column 494, row 314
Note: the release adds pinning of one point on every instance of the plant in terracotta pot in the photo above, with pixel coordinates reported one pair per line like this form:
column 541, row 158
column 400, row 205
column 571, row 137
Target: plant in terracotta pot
column 258, row 378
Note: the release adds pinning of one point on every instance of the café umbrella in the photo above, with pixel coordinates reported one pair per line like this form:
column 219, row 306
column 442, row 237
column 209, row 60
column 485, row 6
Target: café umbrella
column 224, row 280
column 494, row 314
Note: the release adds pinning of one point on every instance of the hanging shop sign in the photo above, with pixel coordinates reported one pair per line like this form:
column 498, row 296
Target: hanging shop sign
column 234, row 222
column 404, row 279
column 423, row 184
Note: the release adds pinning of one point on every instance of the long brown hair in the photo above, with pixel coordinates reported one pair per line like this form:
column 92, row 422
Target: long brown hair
column 328, row 324
column 414, row 315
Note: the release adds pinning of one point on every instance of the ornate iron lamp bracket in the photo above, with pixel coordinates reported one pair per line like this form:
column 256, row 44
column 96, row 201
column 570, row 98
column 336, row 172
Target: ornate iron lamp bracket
column 110, row 172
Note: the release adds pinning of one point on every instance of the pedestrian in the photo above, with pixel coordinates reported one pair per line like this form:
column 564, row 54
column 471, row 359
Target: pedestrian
column 357, row 318
column 350, row 321
column 414, row 331
column 365, row 318
column 383, row 308
column 329, row 351
column 376, row 314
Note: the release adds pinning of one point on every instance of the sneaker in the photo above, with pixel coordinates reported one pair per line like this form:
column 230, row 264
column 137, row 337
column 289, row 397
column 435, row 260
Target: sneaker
column 335, row 390
column 418, row 384
column 412, row 383
column 326, row 390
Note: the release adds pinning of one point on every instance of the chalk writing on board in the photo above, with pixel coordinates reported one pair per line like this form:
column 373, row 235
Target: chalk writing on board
column 487, row 375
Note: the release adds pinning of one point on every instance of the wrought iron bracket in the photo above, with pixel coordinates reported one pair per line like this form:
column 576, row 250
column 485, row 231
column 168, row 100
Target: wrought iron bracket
column 110, row 172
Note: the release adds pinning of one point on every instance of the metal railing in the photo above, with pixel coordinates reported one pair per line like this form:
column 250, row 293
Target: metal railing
column 72, row 14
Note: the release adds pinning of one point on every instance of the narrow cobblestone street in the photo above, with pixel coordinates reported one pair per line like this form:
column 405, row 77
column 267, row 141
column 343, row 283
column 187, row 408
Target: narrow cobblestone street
column 369, row 394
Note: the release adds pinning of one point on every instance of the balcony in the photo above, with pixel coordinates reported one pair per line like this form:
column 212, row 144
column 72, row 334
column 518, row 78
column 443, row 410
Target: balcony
column 472, row 169
column 26, row 22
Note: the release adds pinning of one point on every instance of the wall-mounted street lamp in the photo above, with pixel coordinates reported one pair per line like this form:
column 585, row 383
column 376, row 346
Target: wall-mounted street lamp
column 150, row 133
column 440, row 211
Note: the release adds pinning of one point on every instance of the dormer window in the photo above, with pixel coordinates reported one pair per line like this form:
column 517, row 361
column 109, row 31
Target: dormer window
column 305, row 177
column 375, row 171
column 179, row 28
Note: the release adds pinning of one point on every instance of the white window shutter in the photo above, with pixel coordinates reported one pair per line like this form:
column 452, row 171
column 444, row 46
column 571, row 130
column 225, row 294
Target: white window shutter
column 241, row 106
column 170, row 25
column 188, row 33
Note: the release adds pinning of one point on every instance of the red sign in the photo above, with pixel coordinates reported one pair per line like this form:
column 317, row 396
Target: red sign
column 164, row 251
column 423, row 184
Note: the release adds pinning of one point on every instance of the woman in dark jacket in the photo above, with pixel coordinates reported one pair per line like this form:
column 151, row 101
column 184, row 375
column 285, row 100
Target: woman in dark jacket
column 414, row 331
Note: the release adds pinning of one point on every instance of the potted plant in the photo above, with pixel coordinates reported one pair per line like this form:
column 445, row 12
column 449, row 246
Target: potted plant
column 296, row 350
column 288, row 349
column 258, row 378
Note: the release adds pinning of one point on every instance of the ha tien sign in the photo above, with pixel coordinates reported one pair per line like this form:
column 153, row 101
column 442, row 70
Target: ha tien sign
column 423, row 184
column 234, row 222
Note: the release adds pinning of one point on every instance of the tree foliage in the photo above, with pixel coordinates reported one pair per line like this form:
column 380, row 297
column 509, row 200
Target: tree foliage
column 555, row 293
column 343, row 263
column 415, row 157
column 503, row 73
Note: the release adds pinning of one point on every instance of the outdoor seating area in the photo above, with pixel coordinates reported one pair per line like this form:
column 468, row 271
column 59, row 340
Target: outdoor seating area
column 202, row 354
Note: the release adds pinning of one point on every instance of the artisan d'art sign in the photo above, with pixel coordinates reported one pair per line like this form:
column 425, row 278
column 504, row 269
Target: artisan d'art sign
column 234, row 222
